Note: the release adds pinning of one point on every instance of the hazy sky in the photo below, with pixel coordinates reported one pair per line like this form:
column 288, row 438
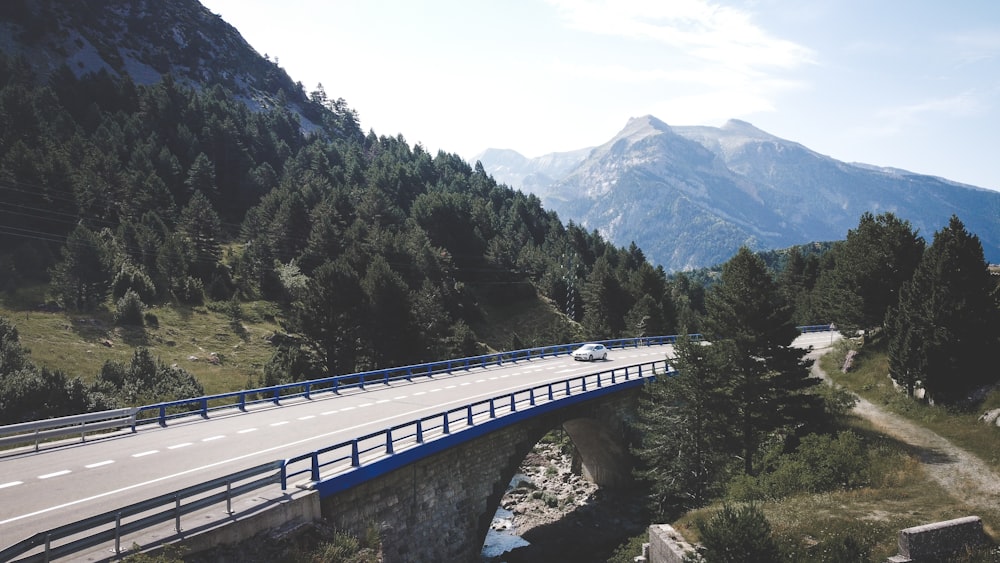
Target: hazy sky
column 912, row 84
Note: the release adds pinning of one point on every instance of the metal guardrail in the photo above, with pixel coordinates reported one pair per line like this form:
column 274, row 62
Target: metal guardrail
column 81, row 424
column 165, row 411
column 118, row 523
column 342, row 457
column 349, row 455
column 339, row 459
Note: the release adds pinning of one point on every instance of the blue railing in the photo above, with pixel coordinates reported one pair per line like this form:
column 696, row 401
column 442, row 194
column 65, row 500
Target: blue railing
column 365, row 457
column 347, row 456
column 162, row 412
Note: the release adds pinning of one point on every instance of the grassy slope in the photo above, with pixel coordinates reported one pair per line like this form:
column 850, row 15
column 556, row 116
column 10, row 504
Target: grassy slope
column 903, row 496
column 76, row 343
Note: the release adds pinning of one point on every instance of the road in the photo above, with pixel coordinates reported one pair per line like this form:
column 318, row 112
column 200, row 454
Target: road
column 63, row 484
column 58, row 485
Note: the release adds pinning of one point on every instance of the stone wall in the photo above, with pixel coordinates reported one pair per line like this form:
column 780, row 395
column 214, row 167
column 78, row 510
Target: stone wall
column 439, row 508
column 937, row 541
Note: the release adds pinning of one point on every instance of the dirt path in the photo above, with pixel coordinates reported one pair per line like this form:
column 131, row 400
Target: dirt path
column 963, row 475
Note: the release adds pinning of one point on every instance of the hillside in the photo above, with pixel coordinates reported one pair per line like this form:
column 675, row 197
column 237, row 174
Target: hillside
column 132, row 204
column 691, row 196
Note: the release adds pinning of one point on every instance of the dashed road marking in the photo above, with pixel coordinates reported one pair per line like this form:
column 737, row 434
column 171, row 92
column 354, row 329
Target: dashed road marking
column 329, row 412
column 146, row 453
column 213, row 438
column 281, row 423
column 100, row 464
column 363, row 405
column 379, row 402
column 246, row 430
column 178, row 446
column 307, row 417
column 11, row 484
column 56, row 474
column 399, row 398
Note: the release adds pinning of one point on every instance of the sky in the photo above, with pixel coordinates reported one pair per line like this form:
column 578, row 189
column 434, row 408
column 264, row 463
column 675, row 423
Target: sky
column 912, row 84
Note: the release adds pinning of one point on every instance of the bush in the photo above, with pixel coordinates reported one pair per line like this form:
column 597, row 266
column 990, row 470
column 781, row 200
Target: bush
column 133, row 278
column 738, row 535
column 820, row 463
column 190, row 291
column 129, row 309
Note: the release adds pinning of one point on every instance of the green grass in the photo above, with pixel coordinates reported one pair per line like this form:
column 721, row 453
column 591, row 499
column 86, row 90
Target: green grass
column 870, row 379
column 900, row 496
column 79, row 344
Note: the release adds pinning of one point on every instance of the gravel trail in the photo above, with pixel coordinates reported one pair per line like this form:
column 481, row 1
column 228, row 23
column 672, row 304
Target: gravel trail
column 966, row 477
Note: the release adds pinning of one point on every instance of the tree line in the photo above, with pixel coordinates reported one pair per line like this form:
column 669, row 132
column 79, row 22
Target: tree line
column 744, row 417
column 117, row 196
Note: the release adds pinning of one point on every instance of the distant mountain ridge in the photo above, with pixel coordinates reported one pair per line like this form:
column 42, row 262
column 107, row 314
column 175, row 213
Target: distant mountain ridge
column 691, row 196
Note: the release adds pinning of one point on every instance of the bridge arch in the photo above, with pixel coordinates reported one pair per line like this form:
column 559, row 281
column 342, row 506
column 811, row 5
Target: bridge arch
column 440, row 508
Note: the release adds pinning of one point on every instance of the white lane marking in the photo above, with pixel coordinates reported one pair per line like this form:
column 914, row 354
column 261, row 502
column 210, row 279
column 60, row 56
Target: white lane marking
column 494, row 378
column 307, row 417
column 56, row 474
column 480, row 381
column 213, row 438
column 420, row 393
column 347, row 409
column 363, row 405
column 399, row 398
column 11, row 484
column 379, row 402
column 435, row 390
column 100, row 464
column 329, row 412
column 282, row 423
column 451, row 386
column 146, row 453
column 178, row 446
column 466, row 383
column 504, row 376
column 246, row 430
column 248, row 455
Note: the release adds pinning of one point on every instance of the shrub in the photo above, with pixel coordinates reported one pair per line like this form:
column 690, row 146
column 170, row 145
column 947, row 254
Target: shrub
column 129, row 309
column 190, row 291
column 820, row 463
column 133, row 278
column 740, row 535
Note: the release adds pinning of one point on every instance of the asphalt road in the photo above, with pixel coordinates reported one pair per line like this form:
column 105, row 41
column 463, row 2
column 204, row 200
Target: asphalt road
column 64, row 484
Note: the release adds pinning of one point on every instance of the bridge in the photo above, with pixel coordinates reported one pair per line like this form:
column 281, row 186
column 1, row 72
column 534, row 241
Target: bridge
column 426, row 452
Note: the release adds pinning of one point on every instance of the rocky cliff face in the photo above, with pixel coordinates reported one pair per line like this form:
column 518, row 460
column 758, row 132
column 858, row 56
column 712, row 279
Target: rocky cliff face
column 691, row 196
column 146, row 40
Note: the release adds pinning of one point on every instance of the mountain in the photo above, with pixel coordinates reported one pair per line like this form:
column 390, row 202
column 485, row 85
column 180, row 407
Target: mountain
column 146, row 40
column 691, row 196
column 533, row 175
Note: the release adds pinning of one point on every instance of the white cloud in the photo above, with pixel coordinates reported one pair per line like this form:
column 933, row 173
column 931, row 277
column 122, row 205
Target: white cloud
column 715, row 34
column 894, row 120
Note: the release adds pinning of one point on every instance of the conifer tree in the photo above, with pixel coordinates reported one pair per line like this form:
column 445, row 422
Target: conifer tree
column 945, row 325
column 871, row 265
column 685, row 431
column 768, row 377
column 83, row 279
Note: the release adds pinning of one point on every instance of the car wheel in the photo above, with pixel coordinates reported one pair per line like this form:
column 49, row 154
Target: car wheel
column 605, row 356
column 590, row 358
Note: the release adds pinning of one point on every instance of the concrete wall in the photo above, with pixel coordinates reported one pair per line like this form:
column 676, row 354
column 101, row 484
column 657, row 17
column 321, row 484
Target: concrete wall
column 439, row 508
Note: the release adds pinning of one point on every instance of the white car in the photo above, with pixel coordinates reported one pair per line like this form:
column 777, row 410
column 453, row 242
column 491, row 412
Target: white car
column 590, row 352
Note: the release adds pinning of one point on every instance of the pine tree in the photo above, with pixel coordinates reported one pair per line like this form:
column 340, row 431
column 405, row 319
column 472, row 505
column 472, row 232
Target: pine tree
column 946, row 321
column 83, row 279
column 871, row 265
column 686, row 436
column 768, row 376
column 331, row 315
